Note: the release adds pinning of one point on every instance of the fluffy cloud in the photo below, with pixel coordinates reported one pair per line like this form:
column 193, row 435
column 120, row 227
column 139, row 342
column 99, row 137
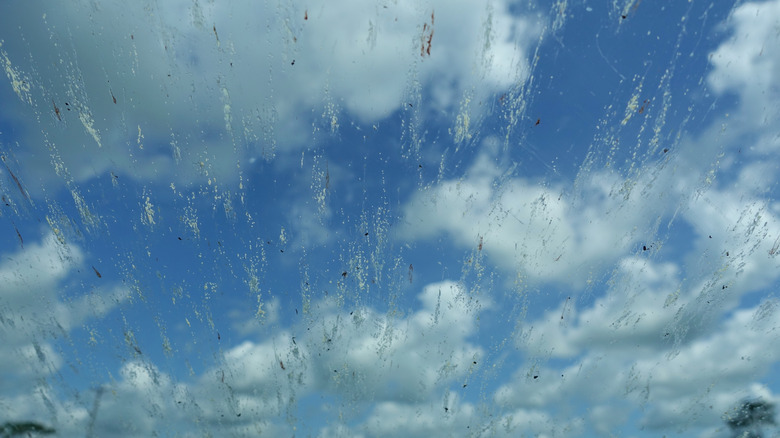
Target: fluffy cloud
column 33, row 310
column 632, row 313
column 649, row 309
column 365, row 354
column 544, row 231
column 663, row 342
column 203, row 87
column 747, row 66
column 749, row 62
column 660, row 341
column 668, row 337
column 399, row 363
column 734, row 255
column 422, row 420
column 691, row 388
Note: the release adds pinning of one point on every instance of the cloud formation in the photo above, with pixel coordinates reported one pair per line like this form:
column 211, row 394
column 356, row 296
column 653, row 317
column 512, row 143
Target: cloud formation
column 654, row 325
column 399, row 363
column 204, row 88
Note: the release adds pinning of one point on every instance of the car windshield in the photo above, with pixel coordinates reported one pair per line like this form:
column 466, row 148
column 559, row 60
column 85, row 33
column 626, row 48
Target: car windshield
column 395, row 218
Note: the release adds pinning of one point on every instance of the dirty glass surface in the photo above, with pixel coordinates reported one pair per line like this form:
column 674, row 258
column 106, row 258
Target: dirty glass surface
column 389, row 218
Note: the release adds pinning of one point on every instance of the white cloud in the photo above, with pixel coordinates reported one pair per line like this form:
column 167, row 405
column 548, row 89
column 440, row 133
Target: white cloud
column 634, row 313
column 537, row 423
column 616, row 350
column 620, row 356
column 452, row 416
column 736, row 234
column 36, row 269
column 618, row 345
column 668, row 338
column 749, row 62
column 747, row 66
column 201, row 88
column 402, row 364
column 665, row 337
column 40, row 402
column 735, row 353
column 248, row 320
column 361, row 356
column 393, row 419
column 543, row 231
column 32, row 308
column 365, row 354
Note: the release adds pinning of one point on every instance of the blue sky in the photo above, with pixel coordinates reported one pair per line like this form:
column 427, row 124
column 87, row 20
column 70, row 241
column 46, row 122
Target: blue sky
column 388, row 218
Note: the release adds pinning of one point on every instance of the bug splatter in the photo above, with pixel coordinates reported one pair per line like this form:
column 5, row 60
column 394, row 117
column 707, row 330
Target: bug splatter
column 16, row 180
column 426, row 38
column 56, row 110
column 568, row 299
column 21, row 241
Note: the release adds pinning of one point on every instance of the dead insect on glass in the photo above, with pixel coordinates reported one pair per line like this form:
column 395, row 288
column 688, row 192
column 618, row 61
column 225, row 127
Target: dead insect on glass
column 56, row 110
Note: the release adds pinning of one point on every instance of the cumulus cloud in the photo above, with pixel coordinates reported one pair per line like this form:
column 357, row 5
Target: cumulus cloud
column 749, row 62
column 366, row 354
column 671, row 342
column 747, row 66
column 634, row 312
column 546, row 232
column 668, row 335
column 422, row 420
column 672, row 338
column 355, row 358
column 659, row 311
column 203, row 88
column 657, row 340
column 689, row 389
column 33, row 311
